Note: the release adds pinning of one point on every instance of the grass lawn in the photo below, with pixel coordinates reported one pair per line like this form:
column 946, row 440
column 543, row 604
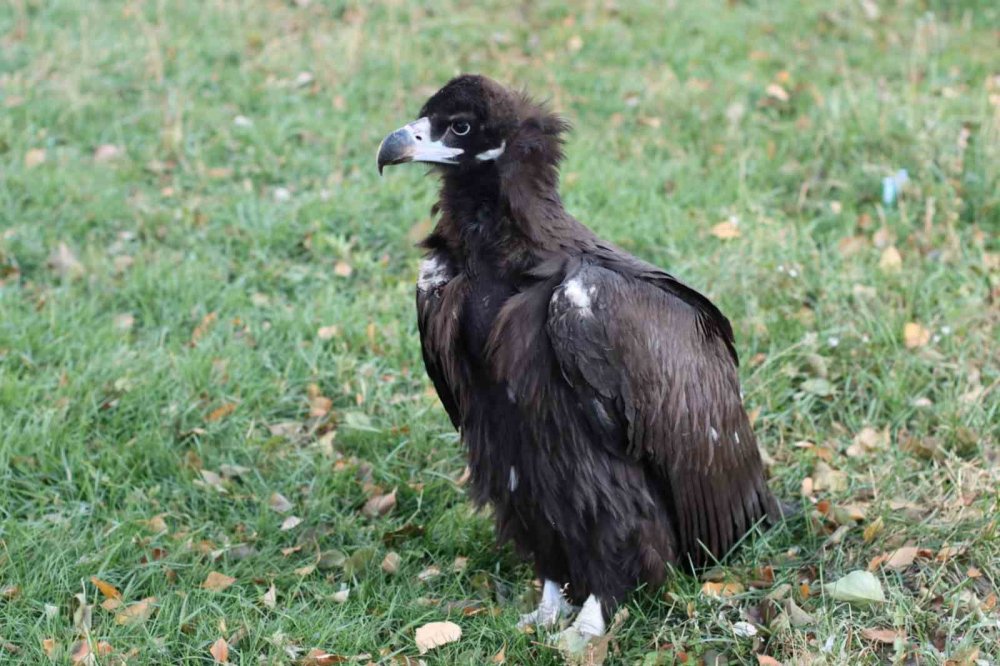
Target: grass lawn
column 207, row 323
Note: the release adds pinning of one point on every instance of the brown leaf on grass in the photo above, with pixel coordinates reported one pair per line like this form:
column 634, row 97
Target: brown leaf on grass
column 82, row 613
column 501, row 656
column 342, row 269
column 727, row 230
column 379, row 505
column 305, row 571
column 868, row 439
column 317, row 657
column 216, row 582
column 220, row 651
column 435, row 634
column 764, row 660
column 327, row 332
column 221, row 412
column 107, row 589
column 948, row 552
column 429, row 573
column 64, row 262
column 279, row 503
column 202, row 328
column 901, row 557
column 390, row 563
column 34, row 157
column 80, row 654
column 887, row 636
column 136, row 613
column 156, row 524
column 721, row 589
column 107, row 152
column 825, row 478
column 776, row 91
column 319, row 404
column 10, row 592
column 49, row 647
column 270, row 598
column 915, row 335
column 111, row 605
column 290, row 523
column 211, row 479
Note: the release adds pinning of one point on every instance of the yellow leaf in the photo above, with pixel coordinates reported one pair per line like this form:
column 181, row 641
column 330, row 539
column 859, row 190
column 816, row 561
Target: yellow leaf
column 915, row 335
column 136, row 613
column 220, row 651
column 49, row 646
column 435, row 634
column 726, row 230
column 217, row 582
column 721, row 589
column 891, row 261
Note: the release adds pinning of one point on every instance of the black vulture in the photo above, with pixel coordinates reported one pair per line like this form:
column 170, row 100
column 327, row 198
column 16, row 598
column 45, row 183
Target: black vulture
column 597, row 395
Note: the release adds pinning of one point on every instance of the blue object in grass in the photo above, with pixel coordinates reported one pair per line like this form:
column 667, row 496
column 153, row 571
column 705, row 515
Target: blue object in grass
column 893, row 185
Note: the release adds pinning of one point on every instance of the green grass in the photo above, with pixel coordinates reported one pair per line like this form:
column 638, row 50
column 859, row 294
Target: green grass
column 105, row 399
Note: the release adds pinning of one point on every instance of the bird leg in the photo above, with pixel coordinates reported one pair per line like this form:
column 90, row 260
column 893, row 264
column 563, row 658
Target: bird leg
column 590, row 621
column 552, row 606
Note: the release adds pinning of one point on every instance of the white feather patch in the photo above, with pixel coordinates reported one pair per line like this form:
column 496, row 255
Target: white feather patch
column 591, row 619
column 576, row 293
column 492, row 153
column 433, row 274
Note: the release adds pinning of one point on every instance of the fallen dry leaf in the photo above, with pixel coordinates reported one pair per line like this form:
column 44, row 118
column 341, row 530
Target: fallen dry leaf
column 890, row 261
column 915, row 335
column 901, row 557
column 825, row 478
column 306, row 570
column 721, row 589
column 317, row 657
column 64, row 262
column 34, row 157
column 341, row 596
column 379, row 505
column 873, row 529
column 290, row 523
column 107, row 152
column 948, row 552
column 270, row 598
column 221, row 412
column 111, row 605
column 107, row 589
column 319, row 404
column 217, row 582
column 220, row 651
column 202, row 328
column 279, row 503
column 726, row 230
column 342, row 269
column 435, row 634
column 429, row 573
column 327, row 332
column 390, row 563
column 136, row 613
column 777, row 92
column 501, row 656
column 887, row 636
column 80, row 653
column 10, row 592
column 858, row 587
column 49, row 647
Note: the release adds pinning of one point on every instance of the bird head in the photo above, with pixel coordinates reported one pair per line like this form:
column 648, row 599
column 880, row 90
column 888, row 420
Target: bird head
column 472, row 123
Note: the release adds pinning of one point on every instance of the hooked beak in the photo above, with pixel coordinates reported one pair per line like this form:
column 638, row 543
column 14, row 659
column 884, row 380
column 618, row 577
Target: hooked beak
column 412, row 143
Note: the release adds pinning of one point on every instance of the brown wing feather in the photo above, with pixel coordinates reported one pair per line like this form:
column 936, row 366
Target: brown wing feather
column 671, row 378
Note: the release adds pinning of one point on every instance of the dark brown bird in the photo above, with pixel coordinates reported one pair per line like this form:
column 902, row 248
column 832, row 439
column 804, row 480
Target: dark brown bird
column 597, row 395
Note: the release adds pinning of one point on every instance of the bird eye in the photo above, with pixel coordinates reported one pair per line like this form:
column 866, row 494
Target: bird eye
column 460, row 127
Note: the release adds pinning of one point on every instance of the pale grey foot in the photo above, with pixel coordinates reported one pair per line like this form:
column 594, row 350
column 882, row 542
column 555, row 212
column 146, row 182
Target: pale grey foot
column 552, row 606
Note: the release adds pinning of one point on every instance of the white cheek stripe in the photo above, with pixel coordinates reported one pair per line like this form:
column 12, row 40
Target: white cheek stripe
column 492, row 153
